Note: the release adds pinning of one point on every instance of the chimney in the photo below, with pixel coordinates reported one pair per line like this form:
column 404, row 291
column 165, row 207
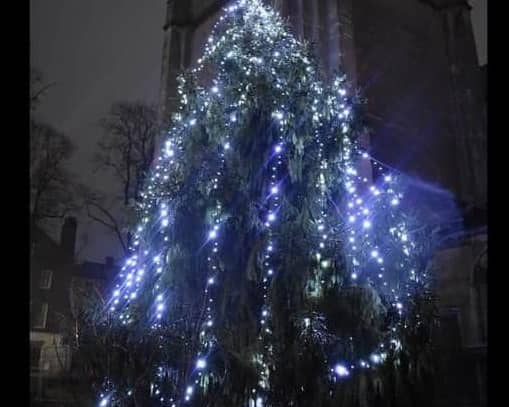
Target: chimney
column 68, row 235
column 109, row 268
column 109, row 262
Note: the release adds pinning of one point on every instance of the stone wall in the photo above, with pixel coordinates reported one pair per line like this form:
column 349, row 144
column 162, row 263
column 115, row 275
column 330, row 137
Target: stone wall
column 461, row 288
column 461, row 337
column 402, row 70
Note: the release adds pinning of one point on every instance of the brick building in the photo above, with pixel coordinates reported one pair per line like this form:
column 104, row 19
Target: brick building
column 51, row 269
column 56, row 280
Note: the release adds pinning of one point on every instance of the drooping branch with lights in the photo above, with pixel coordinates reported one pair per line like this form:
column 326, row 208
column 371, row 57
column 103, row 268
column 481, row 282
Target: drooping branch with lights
column 268, row 269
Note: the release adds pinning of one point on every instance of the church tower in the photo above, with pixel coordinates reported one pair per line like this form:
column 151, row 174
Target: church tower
column 414, row 61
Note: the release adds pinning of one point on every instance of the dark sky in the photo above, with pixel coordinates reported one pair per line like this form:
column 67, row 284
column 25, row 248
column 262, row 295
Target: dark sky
column 97, row 52
column 102, row 51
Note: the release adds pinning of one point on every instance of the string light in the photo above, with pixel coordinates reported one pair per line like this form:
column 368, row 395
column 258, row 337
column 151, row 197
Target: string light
column 201, row 364
column 329, row 109
column 341, row 371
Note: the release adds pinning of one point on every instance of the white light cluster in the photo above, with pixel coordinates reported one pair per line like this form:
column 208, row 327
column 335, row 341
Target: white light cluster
column 373, row 207
column 341, row 371
column 275, row 167
column 362, row 211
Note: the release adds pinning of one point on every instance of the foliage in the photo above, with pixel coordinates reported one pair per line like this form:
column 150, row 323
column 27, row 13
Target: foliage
column 244, row 286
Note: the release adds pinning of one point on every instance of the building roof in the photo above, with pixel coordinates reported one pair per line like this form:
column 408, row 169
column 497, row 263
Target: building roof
column 46, row 252
column 97, row 271
column 38, row 235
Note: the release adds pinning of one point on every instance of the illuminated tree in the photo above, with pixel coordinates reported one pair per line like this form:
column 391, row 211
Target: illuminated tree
column 267, row 269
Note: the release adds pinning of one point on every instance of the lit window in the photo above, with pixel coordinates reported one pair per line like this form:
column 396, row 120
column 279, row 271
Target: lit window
column 41, row 316
column 46, row 279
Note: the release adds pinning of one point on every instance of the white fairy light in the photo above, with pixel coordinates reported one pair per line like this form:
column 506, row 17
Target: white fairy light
column 341, row 370
column 201, row 364
column 361, row 245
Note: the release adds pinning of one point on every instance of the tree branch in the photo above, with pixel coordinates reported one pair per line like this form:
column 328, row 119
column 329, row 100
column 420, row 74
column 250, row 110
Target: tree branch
column 112, row 224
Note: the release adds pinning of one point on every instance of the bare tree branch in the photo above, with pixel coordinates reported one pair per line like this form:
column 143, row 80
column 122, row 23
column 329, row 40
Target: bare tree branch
column 127, row 148
column 110, row 222
column 37, row 88
column 51, row 190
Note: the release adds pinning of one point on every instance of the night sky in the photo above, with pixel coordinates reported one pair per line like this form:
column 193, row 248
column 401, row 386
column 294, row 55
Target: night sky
column 97, row 52
column 102, row 51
